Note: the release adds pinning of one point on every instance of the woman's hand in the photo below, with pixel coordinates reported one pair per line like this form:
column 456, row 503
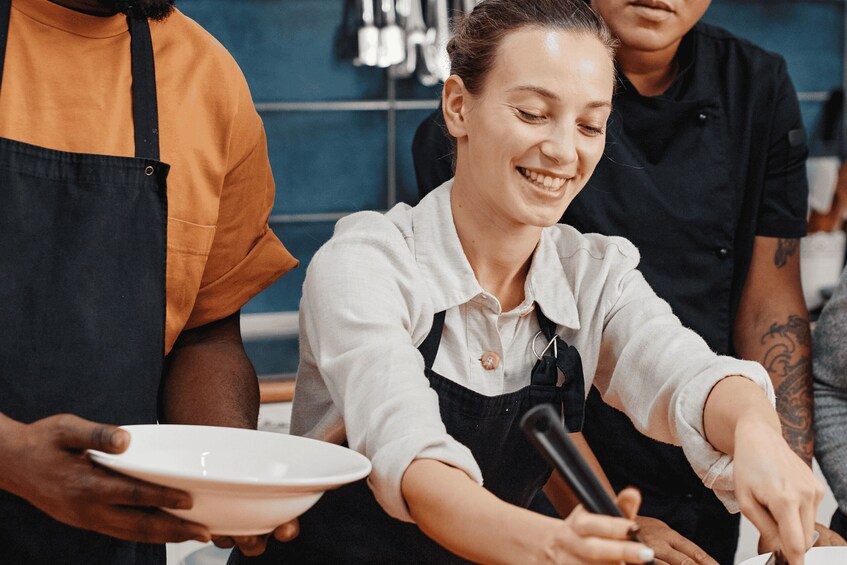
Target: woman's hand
column 775, row 489
column 583, row 537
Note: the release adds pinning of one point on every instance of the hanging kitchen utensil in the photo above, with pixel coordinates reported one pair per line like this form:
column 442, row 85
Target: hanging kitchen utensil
column 368, row 35
column 544, row 427
column 392, row 41
column 415, row 29
column 436, row 66
column 442, row 36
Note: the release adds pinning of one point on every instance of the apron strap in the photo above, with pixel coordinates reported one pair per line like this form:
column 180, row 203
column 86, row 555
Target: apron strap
column 565, row 358
column 5, row 14
column 145, row 110
column 429, row 347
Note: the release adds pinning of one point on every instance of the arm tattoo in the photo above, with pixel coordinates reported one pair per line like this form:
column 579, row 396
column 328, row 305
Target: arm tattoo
column 788, row 362
column 785, row 249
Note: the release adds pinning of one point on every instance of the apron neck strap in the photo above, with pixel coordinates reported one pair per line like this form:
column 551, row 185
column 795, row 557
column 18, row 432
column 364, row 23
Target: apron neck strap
column 5, row 14
column 145, row 110
column 548, row 328
column 429, row 347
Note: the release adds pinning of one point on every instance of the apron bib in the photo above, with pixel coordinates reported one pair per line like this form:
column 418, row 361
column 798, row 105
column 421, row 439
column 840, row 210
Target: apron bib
column 347, row 525
column 82, row 300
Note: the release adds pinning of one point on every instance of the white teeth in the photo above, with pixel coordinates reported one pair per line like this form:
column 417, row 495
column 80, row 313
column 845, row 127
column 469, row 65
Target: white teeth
column 543, row 180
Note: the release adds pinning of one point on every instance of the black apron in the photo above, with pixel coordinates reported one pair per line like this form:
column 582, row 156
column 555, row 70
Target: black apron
column 347, row 525
column 82, row 300
column 669, row 135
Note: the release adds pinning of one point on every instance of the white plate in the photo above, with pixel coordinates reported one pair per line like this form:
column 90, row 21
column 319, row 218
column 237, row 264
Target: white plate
column 815, row 556
column 242, row 482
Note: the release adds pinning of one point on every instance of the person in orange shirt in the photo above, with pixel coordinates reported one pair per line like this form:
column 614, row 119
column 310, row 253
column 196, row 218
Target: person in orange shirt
column 135, row 191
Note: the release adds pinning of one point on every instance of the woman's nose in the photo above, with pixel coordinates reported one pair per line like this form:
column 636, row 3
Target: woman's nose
column 560, row 146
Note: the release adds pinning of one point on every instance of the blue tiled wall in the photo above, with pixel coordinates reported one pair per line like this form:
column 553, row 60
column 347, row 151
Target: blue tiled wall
column 336, row 161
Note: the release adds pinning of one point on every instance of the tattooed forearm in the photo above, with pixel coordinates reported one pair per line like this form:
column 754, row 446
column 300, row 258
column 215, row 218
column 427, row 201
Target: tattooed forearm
column 785, row 249
column 788, row 361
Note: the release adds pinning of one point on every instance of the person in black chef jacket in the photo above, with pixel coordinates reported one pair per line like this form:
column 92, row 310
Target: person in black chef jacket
column 704, row 171
column 135, row 190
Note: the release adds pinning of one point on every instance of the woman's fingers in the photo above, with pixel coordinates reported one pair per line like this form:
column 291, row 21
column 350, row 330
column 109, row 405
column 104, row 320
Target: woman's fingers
column 762, row 520
column 605, row 538
column 629, row 501
column 586, row 524
column 792, row 531
column 606, row 550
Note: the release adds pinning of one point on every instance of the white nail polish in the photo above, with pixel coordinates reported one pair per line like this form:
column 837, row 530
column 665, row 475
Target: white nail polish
column 646, row 554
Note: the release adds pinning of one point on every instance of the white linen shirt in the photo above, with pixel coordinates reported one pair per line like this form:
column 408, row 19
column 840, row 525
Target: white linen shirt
column 368, row 302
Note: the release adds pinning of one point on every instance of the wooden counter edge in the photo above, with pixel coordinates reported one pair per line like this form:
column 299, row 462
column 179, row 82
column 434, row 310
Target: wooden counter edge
column 276, row 391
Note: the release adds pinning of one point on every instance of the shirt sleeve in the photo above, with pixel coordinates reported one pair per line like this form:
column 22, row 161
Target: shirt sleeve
column 662, row 376
column 830, row 390
column 362, row 314
column 246, row 256
column 786, row 191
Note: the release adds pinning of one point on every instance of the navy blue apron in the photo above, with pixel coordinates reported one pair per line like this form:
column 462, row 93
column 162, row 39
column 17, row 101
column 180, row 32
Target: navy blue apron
column 347, row 525
column 82, row 300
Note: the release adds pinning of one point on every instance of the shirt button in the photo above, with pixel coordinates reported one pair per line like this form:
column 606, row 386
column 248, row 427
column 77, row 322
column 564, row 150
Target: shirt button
column 722, row 252
column 490, row 360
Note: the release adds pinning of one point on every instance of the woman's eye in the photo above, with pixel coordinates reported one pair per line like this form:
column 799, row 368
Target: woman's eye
column 592, row 130
column 529, row 116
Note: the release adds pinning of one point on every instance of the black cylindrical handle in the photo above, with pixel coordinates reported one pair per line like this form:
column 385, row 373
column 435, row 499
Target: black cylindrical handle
column 547, row 432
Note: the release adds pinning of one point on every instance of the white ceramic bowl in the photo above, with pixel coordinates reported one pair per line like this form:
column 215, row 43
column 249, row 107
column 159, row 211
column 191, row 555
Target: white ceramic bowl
column 242, row 482
column 815, row 556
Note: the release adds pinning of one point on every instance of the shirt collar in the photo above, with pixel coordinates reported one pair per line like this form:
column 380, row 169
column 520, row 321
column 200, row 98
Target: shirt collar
column 72, row 21
column 451, row 280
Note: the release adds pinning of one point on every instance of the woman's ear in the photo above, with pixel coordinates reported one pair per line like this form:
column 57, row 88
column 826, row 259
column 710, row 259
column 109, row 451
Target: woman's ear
column 454, row 98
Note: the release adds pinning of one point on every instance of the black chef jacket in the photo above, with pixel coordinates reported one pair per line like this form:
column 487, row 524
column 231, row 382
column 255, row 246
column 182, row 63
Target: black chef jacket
column 691, row 177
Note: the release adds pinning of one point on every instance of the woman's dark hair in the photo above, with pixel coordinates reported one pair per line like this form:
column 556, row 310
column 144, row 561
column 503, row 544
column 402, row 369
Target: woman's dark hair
column 476, row 35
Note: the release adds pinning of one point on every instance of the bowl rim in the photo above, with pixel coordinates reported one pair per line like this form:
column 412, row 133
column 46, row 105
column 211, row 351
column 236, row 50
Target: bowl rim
column 760, row 559
column 119, row 463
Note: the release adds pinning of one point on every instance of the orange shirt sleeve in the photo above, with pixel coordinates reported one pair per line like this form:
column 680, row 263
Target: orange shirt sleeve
column 246, row 256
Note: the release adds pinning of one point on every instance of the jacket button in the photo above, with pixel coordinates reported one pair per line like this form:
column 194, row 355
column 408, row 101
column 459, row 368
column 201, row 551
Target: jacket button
column 490, row 360
column 722, row 252
column 702, row 118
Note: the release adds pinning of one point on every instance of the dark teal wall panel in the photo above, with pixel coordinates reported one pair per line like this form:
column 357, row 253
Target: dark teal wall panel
column 285, row 48
column 808, row 34
column 328, row 161
column 303, row 239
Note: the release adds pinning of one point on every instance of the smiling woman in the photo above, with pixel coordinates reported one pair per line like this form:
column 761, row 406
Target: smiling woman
column 418, row 330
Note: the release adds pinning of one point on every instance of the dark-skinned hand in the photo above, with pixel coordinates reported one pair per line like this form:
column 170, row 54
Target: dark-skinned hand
column 47, row 465
column 255, row 545
column 671, row 547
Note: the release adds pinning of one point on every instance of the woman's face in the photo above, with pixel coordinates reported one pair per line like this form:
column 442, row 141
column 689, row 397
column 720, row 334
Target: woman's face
column 650, row 25
column 527, row 144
